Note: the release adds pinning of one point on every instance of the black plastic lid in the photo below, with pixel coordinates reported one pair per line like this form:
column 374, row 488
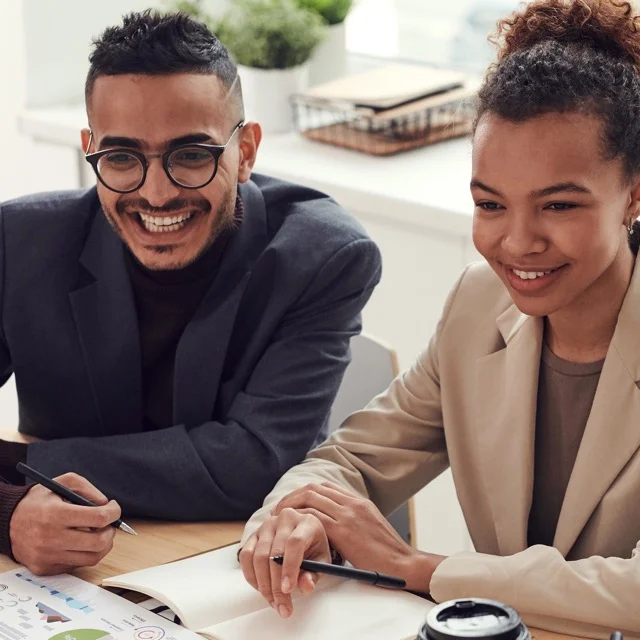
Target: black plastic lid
column 473, row 618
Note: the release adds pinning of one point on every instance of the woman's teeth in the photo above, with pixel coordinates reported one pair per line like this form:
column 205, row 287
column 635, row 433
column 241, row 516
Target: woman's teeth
column 531, row 275
column 156, row 224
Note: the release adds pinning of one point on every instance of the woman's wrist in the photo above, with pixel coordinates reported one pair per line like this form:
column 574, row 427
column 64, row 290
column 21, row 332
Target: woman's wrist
column 419, row 569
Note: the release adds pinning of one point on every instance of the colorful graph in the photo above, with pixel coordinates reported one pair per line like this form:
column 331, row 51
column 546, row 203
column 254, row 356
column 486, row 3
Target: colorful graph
column 83, row 634
column 50, row 615
column 52, row 588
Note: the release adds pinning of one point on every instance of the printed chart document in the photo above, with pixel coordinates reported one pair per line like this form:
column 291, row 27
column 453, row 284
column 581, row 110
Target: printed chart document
column 211, row 597
column 66, row 608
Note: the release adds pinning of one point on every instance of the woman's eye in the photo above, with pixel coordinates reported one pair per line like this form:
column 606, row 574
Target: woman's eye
column 561, row 206
column 488, row 206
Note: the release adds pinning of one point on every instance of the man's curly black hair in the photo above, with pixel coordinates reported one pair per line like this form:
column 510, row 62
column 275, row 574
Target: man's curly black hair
column 151, row 43
column 572, row 56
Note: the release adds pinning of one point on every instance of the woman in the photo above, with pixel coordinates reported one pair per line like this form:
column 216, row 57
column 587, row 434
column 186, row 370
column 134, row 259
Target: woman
column 529, row 388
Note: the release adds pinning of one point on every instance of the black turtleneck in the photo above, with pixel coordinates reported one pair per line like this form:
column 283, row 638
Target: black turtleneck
column 165, row 303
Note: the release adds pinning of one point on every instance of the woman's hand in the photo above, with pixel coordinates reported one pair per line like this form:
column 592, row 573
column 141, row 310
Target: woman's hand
column 361, row 534
column 291, row 534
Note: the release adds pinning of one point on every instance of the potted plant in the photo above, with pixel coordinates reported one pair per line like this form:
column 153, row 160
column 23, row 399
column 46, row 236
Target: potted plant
column 272, row 42
column 329, row 60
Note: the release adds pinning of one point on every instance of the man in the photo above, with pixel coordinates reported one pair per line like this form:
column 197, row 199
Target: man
column 178, row 333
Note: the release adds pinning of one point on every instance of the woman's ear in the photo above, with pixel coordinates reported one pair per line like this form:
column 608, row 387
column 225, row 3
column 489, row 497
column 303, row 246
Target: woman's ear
column 633, row 209
column 251, row 135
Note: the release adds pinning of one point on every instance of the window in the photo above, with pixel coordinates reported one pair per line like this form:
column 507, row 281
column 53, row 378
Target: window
column 450, row 33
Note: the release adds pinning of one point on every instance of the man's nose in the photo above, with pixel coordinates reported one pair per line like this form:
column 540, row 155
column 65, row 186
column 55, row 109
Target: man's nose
column 157, row 189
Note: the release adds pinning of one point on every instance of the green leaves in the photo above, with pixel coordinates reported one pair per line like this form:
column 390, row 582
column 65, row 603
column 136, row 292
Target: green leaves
column 332, row 11
column 270, row 34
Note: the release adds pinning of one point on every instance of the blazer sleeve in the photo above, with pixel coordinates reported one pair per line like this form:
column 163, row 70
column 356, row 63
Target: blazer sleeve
column 588, row 597
column 222, row 470
column 387, row 451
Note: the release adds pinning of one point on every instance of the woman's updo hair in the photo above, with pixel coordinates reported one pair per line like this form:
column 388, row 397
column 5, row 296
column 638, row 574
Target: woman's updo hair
column 571, row 56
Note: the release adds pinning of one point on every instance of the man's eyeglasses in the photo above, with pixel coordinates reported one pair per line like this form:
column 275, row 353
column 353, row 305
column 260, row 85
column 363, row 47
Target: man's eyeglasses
column 191, row 166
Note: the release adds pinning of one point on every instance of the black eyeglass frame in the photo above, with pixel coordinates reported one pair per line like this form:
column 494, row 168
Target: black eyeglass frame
column 216, row 150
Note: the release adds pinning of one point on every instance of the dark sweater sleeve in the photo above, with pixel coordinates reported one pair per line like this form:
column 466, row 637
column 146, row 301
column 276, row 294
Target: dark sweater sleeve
column 10, row 496
column 10, row 454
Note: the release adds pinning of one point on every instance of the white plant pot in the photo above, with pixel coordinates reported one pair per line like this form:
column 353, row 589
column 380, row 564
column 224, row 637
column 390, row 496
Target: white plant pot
column 266, row 94
column 329, row 60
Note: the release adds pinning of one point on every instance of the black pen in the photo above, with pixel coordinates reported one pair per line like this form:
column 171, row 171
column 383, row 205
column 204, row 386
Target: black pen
column 370, row 577
column 66, row 494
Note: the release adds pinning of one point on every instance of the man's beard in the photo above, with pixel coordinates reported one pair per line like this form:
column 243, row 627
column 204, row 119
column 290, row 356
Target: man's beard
column 224, row 215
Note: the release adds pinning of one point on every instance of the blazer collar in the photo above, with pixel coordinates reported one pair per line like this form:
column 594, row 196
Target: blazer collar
column 204, row 343
column 506, row 398
column 506, row 393
column 107, row 326
column 611, row 436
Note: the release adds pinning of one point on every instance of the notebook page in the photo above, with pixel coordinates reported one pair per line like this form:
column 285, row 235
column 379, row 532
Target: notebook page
column 203, row 590
column 346, row 611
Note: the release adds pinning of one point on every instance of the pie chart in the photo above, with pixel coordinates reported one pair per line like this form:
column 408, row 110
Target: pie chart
column 83, row 634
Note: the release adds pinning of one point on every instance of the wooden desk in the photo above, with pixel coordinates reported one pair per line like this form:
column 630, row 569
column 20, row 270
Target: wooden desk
column 156, row 543
column 163, row 542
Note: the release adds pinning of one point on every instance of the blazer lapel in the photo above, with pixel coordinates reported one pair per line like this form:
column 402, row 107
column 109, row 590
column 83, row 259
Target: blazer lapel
column 506, row 386
column 203, row 346
column 611, row 436
column 106, row 322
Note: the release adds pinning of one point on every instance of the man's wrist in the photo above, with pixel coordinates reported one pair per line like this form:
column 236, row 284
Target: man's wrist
column 419, row 569
column 10, row 496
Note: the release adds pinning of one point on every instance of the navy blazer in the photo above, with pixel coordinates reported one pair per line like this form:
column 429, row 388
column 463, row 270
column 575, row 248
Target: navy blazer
column 257, row 367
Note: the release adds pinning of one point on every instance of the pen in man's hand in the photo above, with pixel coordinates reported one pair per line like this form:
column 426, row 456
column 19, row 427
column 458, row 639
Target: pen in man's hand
column 67, row 494
column 370, row 577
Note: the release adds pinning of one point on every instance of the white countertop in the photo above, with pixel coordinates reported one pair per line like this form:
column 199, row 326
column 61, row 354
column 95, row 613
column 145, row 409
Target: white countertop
column 427, row 187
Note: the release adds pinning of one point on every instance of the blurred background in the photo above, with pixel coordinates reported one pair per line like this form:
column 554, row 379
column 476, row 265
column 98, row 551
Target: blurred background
column 44, row 47
column 411, row 195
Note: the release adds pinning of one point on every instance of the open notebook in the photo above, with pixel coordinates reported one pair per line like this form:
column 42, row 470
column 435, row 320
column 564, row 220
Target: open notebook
column 212, row 598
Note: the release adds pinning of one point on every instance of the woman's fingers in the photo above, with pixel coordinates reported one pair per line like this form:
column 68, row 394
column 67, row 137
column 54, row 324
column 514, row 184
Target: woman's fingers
column 246, row 561
column 329, row 490
column 294, row 536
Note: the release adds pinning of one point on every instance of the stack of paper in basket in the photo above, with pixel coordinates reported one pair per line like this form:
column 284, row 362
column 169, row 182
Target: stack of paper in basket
column 388, row 109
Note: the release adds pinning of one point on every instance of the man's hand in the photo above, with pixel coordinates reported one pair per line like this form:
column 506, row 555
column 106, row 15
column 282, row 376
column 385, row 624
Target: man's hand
column 295, row 536
column 49, row 535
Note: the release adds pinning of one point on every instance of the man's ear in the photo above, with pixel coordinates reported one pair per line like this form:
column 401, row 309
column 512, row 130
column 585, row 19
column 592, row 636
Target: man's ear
column 85, row 136
column 251, row 135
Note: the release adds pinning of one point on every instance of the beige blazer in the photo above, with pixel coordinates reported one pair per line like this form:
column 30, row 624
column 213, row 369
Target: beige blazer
column 469, row 401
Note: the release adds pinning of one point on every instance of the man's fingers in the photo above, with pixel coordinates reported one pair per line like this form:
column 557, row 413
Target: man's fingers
column 82, row 486
column 91, row 517
column 95, row 541
column 79, row 558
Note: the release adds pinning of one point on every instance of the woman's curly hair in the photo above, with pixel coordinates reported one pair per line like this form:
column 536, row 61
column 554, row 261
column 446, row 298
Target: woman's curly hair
column 571, row 56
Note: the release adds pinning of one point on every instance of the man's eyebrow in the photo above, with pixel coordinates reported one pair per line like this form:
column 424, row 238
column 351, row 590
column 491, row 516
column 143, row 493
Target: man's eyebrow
column 119, row 141
column 136, row 143
column 476, row 184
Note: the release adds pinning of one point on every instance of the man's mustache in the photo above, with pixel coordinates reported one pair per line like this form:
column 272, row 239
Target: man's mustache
column 142, row 206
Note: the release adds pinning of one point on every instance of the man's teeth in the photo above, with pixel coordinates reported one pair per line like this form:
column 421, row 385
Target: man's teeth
column 164, row 223
column 531, row 275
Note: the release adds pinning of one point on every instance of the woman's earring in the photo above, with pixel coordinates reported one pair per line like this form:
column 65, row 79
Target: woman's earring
column 630, row 228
